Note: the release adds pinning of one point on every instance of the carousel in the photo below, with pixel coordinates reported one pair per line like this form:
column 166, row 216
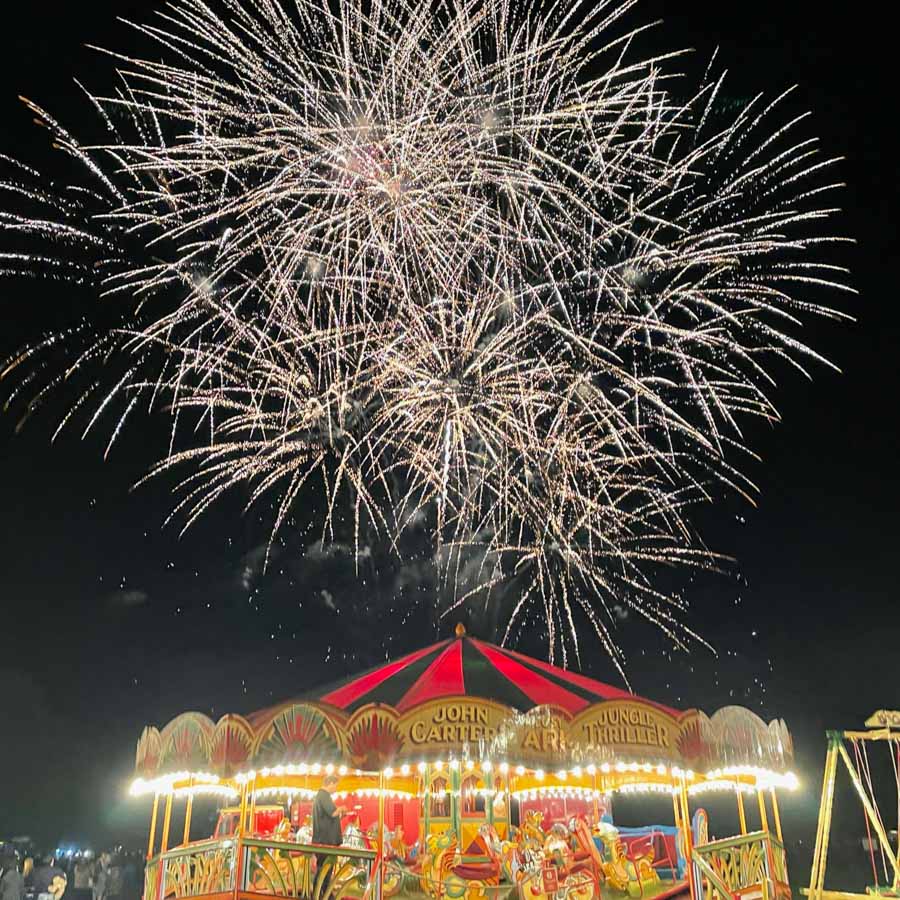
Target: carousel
column 463, row 770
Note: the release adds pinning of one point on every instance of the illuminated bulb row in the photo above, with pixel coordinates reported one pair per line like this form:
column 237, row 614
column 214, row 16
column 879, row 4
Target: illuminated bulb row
column 559, row 792
column 763, row 778
column 646, row 788
column 165, row 783
column 375, row 792
column 217, row 790
column 291, row 791
column 562, row 774
column 486, row 766
column 469, row 792
column 299, row 769
column 731, row 787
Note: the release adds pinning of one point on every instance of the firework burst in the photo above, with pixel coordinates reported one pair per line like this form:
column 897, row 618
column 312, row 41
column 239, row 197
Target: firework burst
column 463, row 263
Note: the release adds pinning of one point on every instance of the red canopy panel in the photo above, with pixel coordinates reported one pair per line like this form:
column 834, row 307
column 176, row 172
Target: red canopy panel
column 464, row 666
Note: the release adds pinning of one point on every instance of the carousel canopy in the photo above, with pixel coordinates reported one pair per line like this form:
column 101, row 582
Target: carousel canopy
column 466, row 667
column 464, row 699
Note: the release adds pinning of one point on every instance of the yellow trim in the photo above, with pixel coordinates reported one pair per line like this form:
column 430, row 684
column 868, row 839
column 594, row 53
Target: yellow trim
column 777, row 814
column 742, row 815
column 152, row 841
column 187, row 819
column 167, row 820
column 763, row 818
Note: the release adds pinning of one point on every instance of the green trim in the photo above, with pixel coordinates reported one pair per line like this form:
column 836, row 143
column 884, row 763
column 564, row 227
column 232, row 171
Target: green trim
column 194, row 849
column 753, row 837
column 323, row 849
column 712, row 876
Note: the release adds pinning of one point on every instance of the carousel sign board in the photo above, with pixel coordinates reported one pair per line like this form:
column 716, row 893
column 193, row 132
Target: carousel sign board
column 626, row 724
column 446, row 724
column 547, row 733
column 378, row 735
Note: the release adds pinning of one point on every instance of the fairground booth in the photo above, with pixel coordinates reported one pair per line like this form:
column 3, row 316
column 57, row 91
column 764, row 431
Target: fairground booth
column 465, row 770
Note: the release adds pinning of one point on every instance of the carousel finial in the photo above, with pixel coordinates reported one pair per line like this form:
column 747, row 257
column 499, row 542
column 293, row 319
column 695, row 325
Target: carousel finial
column 460, row 630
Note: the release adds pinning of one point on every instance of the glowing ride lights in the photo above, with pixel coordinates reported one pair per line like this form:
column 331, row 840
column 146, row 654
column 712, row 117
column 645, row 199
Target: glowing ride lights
column 745, row 778
column 540, row 760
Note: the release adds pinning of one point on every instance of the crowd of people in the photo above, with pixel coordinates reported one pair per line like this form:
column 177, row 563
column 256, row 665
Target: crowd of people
column 111, row 875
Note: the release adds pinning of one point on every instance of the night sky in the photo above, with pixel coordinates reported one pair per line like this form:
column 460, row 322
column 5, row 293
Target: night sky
column 111, row 621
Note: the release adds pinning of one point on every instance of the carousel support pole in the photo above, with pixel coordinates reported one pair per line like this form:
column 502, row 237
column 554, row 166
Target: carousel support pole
column 676, row 807
column 688, row 839
column 379, row 869
column 251, row 824
column 426, row 803
column 152, row 841
column 742, row 814
column 240, row 831
column 596, row 800
column 777, row 814
column 763, row 818
column 186, row 838
column 242, row 815
column 167, row 820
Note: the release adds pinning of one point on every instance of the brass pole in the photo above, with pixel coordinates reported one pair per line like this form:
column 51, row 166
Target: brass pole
column 187, row 820
column 777, row 814
column 763, row 818
column 380, row 867
column 153, row 816
column 242, row 815
column 742, row 815
column 167, row 819
column 676, row 802
column 688, row 839
column 251, row 824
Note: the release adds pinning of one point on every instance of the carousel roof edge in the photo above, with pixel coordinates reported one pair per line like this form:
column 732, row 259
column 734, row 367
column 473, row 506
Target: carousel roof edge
column 628, row 731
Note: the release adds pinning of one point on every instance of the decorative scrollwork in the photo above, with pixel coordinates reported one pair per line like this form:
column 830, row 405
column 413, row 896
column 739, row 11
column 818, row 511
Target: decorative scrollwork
column 751, row 860
column 151, row 879
column 306, row 873
column 197, row 872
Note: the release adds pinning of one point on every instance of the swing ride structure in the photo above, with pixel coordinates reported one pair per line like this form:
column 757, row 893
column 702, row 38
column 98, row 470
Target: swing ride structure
column 466, row 771
column 882, row 729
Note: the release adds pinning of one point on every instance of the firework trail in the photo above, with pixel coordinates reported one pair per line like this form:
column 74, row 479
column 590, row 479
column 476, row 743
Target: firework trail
column 468, row 263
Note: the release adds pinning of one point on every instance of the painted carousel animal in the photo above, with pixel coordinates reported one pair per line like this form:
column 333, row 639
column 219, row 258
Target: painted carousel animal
column 616, row 869
column 539, row 853
column 445, row 875
column 402, row 868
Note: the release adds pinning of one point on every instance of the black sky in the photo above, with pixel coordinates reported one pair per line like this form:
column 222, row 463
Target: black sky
column 111, row 622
